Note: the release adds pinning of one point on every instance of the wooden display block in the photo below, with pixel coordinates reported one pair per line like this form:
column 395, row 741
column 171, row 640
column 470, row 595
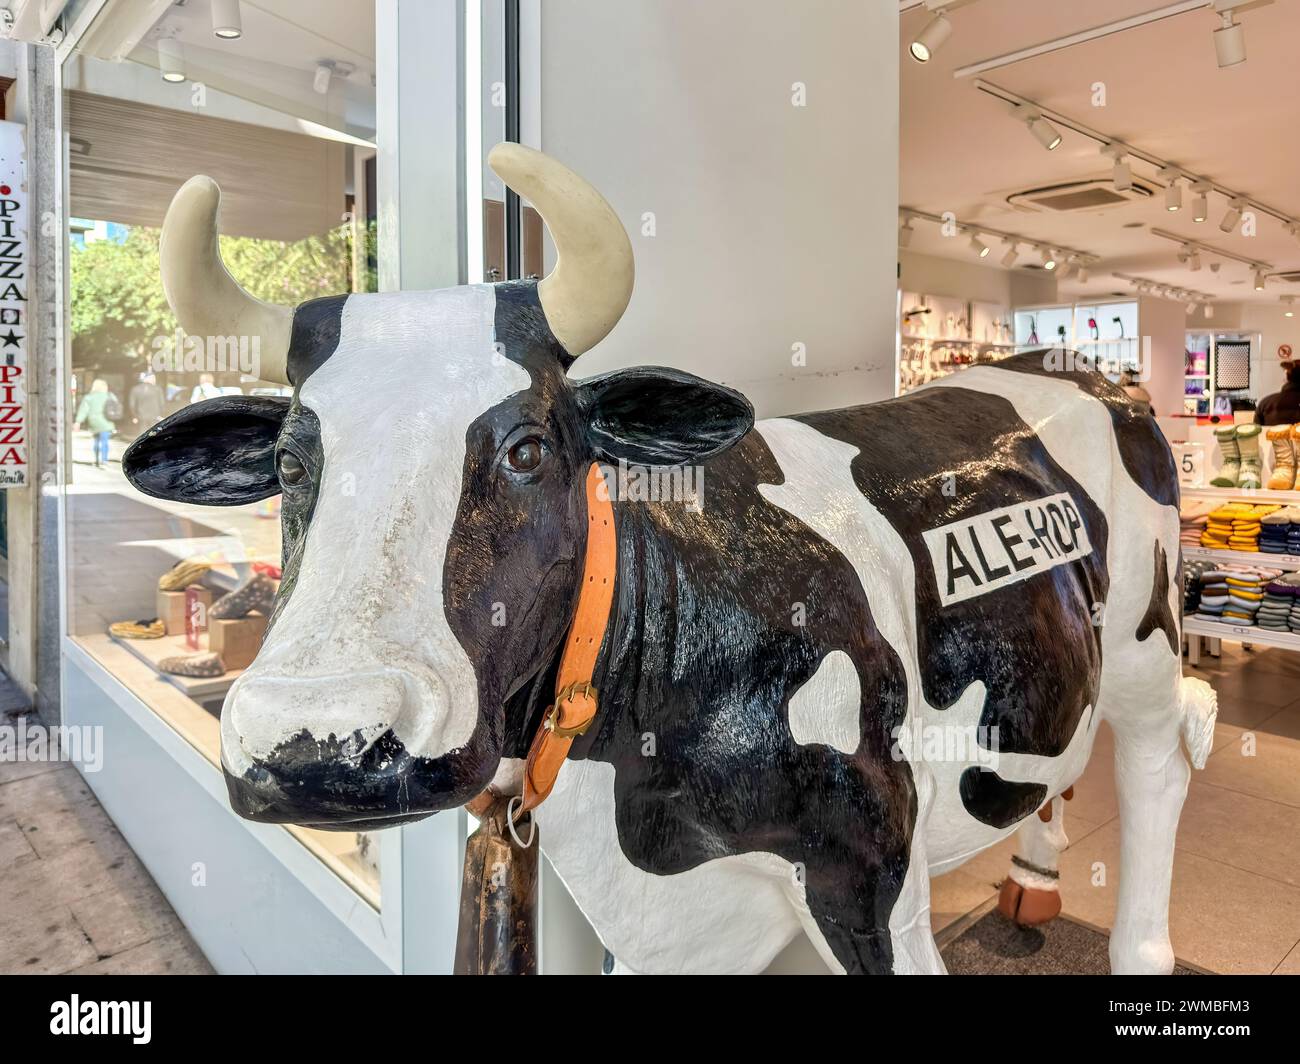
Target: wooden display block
column 237, row 640
column 172, row 610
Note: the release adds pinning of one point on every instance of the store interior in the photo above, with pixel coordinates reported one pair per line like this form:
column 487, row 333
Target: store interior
column 1113, row 181
column 1055, row 188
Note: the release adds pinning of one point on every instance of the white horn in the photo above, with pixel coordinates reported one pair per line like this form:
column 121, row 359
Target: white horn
column 206, row 300
column 587, row 292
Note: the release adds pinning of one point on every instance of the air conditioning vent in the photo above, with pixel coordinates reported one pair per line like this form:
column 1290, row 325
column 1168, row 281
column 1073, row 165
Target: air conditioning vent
column 1095, row 195
column 1289, row 277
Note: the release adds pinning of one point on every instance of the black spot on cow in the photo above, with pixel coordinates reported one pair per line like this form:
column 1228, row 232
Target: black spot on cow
column 1000, row 802
column 317, row 326
column 942, row 455
column 720, row 617
column 1158, row 614
column 1142, row 446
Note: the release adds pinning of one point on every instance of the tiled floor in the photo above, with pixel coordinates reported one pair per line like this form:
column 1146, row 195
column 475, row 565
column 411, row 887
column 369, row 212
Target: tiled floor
column 73, row 897
column 1235, row 905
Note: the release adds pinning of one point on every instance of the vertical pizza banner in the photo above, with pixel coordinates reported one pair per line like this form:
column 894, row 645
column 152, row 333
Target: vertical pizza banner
column 14, row 316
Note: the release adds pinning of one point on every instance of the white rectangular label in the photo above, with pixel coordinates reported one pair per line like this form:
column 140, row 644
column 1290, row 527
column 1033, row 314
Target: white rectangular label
column 991, row 550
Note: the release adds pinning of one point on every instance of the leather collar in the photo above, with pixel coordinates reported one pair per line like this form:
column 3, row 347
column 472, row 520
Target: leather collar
column 575, row 705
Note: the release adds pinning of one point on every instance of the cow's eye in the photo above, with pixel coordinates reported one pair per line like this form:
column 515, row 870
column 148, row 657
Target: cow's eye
column 291, row 470
column 526, row 455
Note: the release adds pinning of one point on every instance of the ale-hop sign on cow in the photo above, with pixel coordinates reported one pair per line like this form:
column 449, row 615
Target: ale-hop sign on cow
column 1005, row 546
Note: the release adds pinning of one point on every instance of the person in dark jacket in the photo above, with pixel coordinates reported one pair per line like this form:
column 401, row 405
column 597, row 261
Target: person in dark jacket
column 145, row 403
column 1282, row 408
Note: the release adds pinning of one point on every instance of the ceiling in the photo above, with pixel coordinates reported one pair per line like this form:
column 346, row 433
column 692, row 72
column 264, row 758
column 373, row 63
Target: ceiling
column 273, row 63
column 961, row 151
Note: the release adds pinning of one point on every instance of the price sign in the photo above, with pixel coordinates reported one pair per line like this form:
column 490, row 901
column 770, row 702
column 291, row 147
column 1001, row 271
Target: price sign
column 1190, row 458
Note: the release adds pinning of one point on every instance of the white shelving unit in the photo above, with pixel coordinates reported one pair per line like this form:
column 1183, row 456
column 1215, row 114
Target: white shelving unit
column 1193, row 629
column 1288, row 562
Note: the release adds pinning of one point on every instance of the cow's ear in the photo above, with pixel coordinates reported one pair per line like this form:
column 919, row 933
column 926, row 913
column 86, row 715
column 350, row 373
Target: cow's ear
column 220, row 452
column 661, row 417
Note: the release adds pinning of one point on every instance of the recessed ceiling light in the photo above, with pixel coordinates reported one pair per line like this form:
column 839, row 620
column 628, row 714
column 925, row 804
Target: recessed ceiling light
column 931, row 38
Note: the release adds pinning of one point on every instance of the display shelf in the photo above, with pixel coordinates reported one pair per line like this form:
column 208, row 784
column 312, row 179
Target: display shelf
column 1262, row 559
column 1291, row 498
column 152, row 651
column 1234, row 633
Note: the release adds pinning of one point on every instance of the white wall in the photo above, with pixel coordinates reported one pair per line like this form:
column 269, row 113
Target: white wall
column 1164, row 322
column 936, row 276
column 775, row 224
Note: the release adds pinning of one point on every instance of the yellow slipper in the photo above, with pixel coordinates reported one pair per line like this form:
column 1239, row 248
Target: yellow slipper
column 150, row 629
column 184, row 573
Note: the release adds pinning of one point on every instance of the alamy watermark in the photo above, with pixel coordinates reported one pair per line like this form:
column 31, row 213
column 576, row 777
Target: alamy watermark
column 682, row 484
column 182, row 353
column 26, row 741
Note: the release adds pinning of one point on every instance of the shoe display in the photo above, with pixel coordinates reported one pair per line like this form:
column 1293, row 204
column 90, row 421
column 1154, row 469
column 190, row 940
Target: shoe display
column 1284, row 457
column 185, row 572
column 1226, row 435
column 257, row 594
column 152, row 628
column 1248, row 475
column 196, row 665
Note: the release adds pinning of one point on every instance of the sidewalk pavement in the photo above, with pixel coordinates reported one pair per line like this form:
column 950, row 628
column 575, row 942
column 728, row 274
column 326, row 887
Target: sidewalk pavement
column 73, row 897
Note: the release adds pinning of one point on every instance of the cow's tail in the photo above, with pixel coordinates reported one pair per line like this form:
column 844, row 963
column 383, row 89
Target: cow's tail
column 1200, row 707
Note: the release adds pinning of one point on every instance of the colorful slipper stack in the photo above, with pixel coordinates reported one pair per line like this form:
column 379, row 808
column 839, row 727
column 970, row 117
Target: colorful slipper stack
column 1192, row 516
column 1277, row 606
column 1274, row 532
column 1236, row 526
column 1234, row 594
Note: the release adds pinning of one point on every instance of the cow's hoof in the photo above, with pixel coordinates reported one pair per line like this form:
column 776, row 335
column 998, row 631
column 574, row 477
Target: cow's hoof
column 1028, row 906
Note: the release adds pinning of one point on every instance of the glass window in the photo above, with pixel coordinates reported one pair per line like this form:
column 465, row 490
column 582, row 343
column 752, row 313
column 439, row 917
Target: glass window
column 280, row 111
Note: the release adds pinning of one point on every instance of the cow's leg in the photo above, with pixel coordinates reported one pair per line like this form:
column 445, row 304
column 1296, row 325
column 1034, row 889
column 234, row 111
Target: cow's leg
column 1151, row 777
column 1031, row 893
column 869, row 913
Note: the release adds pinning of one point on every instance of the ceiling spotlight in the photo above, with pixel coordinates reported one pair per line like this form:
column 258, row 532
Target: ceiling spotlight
column 978, row 246
column 1260, row 279
column 1201, row 204
column 1233, row 217
column 1194, row 262
column 1173, row 190
column 1214, row 267
column 225, row 20
column 1288, row 301
column 1083, row 273
column 324, row 74
column 931, row 38
column 171, row 61
column 1209, row 310
column 1292, row 229
column 905, row 233
column 1049, row 260
column 1044, row 132
column 1229, row 41
column 1191, row 307
column 1013, row 253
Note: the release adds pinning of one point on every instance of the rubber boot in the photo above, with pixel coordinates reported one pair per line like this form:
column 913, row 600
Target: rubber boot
column 1283, row 476
column 1227, row 477
column 1248, row 449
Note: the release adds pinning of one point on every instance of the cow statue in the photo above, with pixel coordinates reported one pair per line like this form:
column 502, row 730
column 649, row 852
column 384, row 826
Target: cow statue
column 876, row 642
